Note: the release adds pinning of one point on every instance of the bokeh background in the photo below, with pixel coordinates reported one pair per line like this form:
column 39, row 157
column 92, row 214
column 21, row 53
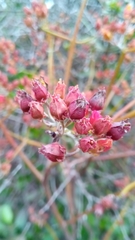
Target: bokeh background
column 39, row 44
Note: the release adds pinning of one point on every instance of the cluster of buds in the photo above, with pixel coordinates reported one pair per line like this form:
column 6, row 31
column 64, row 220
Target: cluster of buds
column 9, row 55
column 10, row 86
column 123, row 89
column 94, row 132
column 108, row 57
column 129, row 13
column 103, row 74
column 36, row 217
column 33, row 19
column 38, row 10
column 105, row 203
column 108, row 28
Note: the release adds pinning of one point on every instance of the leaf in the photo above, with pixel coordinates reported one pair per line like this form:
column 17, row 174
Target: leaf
column 3, row 230
column 21, row 220
column 6, row 214
column 20, row 75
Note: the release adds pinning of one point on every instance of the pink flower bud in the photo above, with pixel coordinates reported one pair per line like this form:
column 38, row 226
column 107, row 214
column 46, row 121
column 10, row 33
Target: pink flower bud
column 9, row 155
column 87, row 144
column 118, row 129
column 5, row 168
column 54, row 152
column 123, row 182
column 95, row 116
column 83, row 126
column 28, row 21
column 24, row 100
column 58, row 108
column 101, row 125
column 40, row 91
column 98, row 209
column 107, row 202
column 27, row 11
column 77, row 109
column 60, row 89
column 73, row 94
column 2, row 99
column 97, row 101
column 98, row 24
column 104, row 144
column 36, row 110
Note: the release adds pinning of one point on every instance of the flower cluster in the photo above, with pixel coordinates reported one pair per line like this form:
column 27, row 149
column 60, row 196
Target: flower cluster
column 38, row 10
column 105, row 203
column 108, row 28
column 9, row 55
column 94, row 132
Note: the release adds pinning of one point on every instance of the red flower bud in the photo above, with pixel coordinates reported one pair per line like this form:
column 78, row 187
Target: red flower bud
column 24, row 100
column 101, row 124
column 77, row 109
column 39, row 90
column 36, row 110
column 54, row 152
column 97, row 101
column 58, row 108
column 72, row 95
column 118, row 129
column 104, row 144
column 87, row 144
column 60, row 89
column 83, row 126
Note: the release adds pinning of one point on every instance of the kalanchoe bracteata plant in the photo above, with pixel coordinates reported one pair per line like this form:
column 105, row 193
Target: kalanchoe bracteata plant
column 94, row 133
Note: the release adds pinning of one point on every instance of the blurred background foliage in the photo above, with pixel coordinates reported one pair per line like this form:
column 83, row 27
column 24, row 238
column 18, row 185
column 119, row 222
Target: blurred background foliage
column 43, row 51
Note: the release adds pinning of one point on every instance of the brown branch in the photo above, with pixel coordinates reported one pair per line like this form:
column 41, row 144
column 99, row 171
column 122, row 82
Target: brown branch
column 54, row 208
column 66, row 38
column 114, row 156
column 123, row 110
column 130, row 114
column 29, row 141
column 75, row 218
column 25, row 159
column 70, row 197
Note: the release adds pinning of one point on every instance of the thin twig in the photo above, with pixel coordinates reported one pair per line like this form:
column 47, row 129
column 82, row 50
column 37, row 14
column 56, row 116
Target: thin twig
column 127, row 189
column 26, row 160
column 29, row 141
column 54, row 208
column 130, row 114
column 123, row 110
column 51, row 231
column 113, row 79
column 66, row 38
column 115, row 224
column 56, row 194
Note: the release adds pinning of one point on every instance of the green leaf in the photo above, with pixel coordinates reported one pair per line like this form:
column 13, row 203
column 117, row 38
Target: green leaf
column 3, row 231
column 20, row 75
column 6, row 214
column 21, row 220
column 114, row 6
